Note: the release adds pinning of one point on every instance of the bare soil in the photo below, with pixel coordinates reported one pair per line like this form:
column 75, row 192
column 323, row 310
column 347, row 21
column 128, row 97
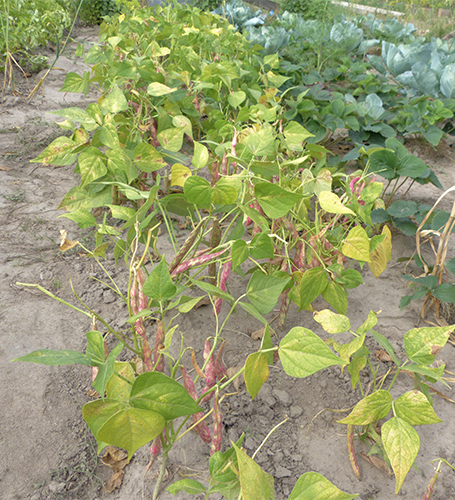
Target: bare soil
column 47, row 451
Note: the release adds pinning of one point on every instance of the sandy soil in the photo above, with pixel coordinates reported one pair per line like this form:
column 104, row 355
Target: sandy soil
column 47, row 451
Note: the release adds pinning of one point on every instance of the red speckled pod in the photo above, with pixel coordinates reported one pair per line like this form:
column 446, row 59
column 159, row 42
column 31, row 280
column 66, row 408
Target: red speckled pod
column 227, row 266
column 202, row 428
column 158, row 360
column 430, row 488
column 220, row 369
column 196, row 261
column 351, row 451
column 186, row 247
column 210, row 373
column 217, row 427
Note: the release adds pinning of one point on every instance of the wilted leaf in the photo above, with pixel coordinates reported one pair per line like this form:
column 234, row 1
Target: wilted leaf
column 65, row 243
column 115, row 458
column 115, row 481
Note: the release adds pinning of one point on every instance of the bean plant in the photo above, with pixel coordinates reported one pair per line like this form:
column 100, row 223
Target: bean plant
column 193, row 122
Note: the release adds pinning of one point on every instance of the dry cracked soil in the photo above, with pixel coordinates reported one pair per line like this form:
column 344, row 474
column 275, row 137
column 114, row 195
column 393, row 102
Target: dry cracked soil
column 47, row 451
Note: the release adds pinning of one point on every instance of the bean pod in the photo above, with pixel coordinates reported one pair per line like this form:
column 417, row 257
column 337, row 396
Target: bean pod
column 351, row 451
column 217, row 426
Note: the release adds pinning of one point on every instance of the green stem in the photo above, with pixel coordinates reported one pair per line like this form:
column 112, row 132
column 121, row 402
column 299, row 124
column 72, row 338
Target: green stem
column 156, row 491
column 55, row 298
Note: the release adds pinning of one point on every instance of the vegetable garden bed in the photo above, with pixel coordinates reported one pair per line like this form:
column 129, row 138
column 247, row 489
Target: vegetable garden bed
column 207, row 164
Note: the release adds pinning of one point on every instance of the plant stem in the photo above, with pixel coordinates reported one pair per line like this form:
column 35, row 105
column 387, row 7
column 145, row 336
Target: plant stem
column 156, row 491
column 40, row 288
column 268, row 435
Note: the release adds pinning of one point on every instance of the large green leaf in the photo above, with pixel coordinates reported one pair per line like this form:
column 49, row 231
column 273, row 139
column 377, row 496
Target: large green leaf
column 256, row 372
column 200, row 155
column 236, row 98
column 295, row 136
column 52, row 357
column 172, row 138
column 415, row 409
column 115, row 101
column 189, row 486
column 83, row 218
column 403, row 208
column 255, row 484
column 261, row 246
column 357, row 244
column 147, row 158
column 369, row 409
column 131, row 428
column 76, row 115
column 411, row 166
column 314, row 486
column 198, row 191
column 303, row 353
column 92, row 165
column 59, row 152
column 422, row 344
column 262, row 142
column 312, row 284
column 159, row 284
column 263, row 291
column 159, row 393
column 274, row 200
column 445, row 292
column 156, row 89
column 336, row 296
column 119, row 385
column 224, row 192
column 98, row 412
column 401, row 443
column 239, row 253
column 384, row 163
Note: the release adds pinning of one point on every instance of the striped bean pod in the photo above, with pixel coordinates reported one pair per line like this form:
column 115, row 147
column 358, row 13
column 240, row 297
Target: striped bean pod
column 201, row 427
column 196, row 261
column 351, row 451
column 227, row 266
column 430, row 487
column 209, row 373
column 215, row 239
column 179, row 256
column 220, row 369
column 217, row 434
column 158, row 358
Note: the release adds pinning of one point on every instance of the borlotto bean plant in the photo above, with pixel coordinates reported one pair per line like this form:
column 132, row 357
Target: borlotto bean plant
column 194, row 122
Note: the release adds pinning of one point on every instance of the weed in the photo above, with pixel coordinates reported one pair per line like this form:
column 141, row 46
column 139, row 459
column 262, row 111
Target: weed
column 17, row 197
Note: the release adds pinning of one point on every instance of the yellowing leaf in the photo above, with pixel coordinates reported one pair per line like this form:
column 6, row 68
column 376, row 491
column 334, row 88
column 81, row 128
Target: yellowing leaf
column 179, row 174
column 256, row 372
column 401, row 443
column 332, row 204
column 332, row 322
column 381, row 254
column 357, row 245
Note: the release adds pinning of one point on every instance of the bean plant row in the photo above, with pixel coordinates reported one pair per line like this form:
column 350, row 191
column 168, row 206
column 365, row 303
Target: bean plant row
column 193, row 122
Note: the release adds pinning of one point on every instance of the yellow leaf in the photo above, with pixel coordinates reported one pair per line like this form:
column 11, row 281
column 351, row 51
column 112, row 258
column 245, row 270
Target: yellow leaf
column 381, row 254
column 179, row 174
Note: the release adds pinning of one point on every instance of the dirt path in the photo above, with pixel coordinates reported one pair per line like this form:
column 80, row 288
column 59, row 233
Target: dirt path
column 47, row 451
